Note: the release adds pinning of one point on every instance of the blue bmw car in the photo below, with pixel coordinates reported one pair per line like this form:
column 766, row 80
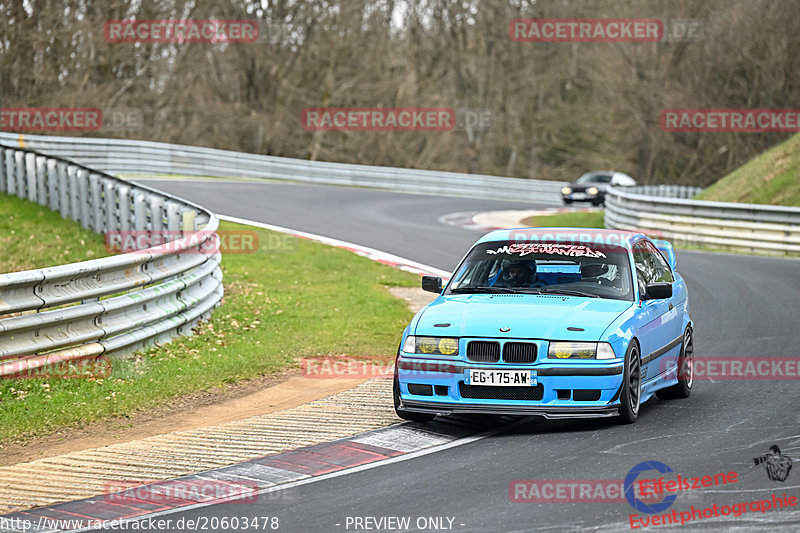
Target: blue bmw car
column 557, row 322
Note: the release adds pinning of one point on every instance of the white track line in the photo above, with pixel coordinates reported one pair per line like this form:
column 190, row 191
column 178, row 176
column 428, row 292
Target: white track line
column 371, row 253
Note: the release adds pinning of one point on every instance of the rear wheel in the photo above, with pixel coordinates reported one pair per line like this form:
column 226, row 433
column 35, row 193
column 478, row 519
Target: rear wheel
column 631, row 386
column 683, row 388
column 407, row 415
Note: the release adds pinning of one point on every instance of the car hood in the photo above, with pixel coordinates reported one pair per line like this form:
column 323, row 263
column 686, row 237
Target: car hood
column 527, row 316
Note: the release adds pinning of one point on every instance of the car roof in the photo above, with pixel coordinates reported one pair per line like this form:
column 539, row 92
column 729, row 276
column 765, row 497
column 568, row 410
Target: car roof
column 566, row 235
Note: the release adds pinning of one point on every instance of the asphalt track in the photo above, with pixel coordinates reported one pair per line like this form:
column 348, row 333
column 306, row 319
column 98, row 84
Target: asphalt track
column 741, row 306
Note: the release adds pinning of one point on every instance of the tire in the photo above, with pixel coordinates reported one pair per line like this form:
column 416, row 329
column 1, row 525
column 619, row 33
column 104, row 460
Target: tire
column 567, row 202
column 683, row 388
column 630, row 398
column 407, row 415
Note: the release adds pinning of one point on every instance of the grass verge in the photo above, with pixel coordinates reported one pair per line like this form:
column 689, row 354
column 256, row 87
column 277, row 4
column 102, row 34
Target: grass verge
column 32, row 236
column 577, row 219
column 772, row 177
column 292, row 298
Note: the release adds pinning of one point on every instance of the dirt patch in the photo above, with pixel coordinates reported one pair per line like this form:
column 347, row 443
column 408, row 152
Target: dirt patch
column 415, row 297
column 271, row 393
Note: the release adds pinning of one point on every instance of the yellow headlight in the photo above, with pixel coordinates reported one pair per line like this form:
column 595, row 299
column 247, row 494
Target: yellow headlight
column 565, row 190
column 448, row 346
column 572, row 350
column 592, row 190
column 426, row 344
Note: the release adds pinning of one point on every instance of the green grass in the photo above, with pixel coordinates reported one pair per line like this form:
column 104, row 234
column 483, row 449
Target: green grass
column 297, row 299
column 772, row 177
column 577, row 219
column 32, row 236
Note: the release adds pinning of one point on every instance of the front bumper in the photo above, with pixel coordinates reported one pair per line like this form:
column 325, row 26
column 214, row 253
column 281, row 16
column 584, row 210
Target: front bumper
column 582, row 390
column 494, row 409
column 583, row 197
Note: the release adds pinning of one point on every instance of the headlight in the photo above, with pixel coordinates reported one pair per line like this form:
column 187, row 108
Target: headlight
column 580, row 350
column 605, row 351
column 565, row 190
column 431, row 345
column 592, row 191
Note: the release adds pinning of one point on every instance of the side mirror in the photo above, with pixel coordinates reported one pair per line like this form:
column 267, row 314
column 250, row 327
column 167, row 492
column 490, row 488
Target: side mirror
column 432, row 284
column 659, row 291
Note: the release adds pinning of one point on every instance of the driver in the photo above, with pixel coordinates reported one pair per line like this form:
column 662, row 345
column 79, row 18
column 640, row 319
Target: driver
column 518, row 273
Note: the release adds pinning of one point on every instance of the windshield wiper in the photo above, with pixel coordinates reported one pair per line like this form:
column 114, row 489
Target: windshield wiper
column 567, row 292
column 486, row 290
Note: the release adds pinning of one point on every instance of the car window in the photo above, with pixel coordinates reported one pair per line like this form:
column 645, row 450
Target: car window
column 651, row 267
column 594, row 178
column 540, row 266
column 644, row 268
column 661, row 270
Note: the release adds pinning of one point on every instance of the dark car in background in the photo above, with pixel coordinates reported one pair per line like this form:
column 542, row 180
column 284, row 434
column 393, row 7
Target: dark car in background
column 591, row 187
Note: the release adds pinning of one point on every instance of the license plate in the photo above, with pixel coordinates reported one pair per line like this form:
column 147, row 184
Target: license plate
column 501, row 378
column 578, row 196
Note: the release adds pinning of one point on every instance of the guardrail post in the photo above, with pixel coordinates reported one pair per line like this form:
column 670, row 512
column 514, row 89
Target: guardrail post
column 173, row 219
column 124, row 203
column 41, row 180
column 83, row 198
column 139, row 210
column 64, row 189
column 30, row 174
column 156, row 213
column 3, row 187
column 11, row 172
column 96, row 191
column 52, row 185
column 110, row 196
column 19, row 174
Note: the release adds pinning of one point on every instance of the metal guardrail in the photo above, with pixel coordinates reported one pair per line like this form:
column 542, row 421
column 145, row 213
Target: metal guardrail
column 122, row 302
column 669, row 191
column 731, row 226
column 120, row 156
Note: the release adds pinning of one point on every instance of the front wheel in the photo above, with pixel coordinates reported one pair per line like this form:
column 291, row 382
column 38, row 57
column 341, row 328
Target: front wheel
column 631, row 386
column 683, row 388
column 407, row 415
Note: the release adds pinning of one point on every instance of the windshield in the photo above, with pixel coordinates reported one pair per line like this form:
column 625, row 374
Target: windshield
column 594, row 178
column 587, row 270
